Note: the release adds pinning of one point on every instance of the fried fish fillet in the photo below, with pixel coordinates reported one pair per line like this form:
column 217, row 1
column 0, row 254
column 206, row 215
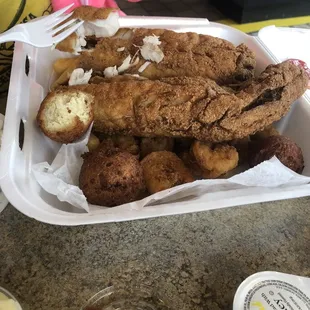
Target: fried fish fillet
column 193, row 107
column 185, row 54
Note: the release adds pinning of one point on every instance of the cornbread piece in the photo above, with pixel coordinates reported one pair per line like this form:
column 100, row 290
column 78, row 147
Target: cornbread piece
column 111, row 177
column 163, row 170
column 65, row 115
column 286, row 150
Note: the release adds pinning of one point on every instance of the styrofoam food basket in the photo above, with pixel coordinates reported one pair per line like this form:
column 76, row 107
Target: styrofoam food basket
column 27, row 92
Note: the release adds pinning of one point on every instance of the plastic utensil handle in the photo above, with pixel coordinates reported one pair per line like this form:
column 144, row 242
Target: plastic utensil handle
column 13, row 34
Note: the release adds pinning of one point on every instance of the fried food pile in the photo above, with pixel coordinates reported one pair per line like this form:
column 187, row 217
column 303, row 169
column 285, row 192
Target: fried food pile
column 167, row 108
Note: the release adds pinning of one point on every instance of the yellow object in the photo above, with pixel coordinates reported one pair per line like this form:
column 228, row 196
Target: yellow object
column 258, row 304
column 7, row 303
column 62, row 64
column 93, row 142
column 13, row 12
column 252, row 27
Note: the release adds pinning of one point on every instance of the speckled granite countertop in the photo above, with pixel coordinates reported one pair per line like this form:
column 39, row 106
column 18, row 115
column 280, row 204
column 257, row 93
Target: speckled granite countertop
column 194, row 261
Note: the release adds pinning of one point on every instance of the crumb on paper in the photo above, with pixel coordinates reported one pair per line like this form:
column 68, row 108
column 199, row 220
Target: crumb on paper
column 150, row 49
column 110, row 72
column 144, row 66
column 121, row 49
column 79, row 77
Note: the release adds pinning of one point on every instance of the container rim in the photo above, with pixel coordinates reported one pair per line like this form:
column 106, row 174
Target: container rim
column 11, row 296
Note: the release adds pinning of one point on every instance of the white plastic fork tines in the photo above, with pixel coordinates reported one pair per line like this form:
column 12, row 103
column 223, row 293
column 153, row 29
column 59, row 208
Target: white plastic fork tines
column 44, row 31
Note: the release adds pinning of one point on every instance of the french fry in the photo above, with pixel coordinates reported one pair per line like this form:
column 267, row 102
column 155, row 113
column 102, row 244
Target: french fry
column 62, row 64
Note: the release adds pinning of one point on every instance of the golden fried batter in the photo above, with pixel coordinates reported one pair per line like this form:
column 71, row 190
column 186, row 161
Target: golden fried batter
column 93, row 142
column 124, row 143
column 163, row 170
column 185, row 54
column 214, row 160
column 111, row 177
column 191, row 163
column 90, row 13
column 63, row 67
column 194, row 107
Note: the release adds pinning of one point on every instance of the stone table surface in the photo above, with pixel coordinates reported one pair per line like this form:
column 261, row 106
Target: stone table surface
column 192, row 261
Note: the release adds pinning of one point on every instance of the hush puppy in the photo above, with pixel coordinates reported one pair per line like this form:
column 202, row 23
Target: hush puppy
column 163, row 170
column 64, row 116
column 111, row 177
column 286, row 150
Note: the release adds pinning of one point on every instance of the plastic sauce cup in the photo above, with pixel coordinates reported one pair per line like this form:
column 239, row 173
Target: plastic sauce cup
column 8, row 301
column 270, row 290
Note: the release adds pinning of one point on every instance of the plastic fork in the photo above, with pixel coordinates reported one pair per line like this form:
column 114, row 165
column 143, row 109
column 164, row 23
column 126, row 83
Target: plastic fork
column 43, row 31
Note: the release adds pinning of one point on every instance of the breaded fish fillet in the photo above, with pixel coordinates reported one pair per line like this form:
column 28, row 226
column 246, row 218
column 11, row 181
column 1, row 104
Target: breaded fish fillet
column 194, row 107
column 185, row 54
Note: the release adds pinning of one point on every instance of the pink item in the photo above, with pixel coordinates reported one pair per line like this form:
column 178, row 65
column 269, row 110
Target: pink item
column 300, row 63
column 59, row 4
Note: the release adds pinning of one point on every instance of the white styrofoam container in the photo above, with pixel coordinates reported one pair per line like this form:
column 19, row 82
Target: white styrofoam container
column 27, row 92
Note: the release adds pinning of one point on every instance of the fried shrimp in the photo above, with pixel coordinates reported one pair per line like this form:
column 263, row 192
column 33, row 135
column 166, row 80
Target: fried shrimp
column 214, row 160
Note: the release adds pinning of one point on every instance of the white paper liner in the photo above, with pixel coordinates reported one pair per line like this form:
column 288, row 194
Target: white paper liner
column 61, row 179
column 62, row 176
